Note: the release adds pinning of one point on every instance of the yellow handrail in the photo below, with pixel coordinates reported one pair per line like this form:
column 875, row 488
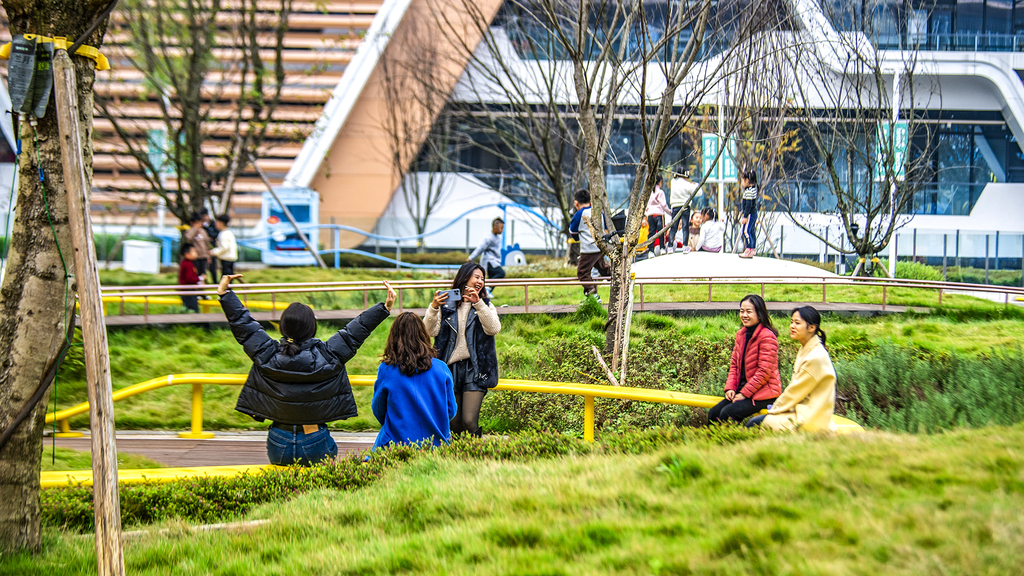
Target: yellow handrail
column 588, row 391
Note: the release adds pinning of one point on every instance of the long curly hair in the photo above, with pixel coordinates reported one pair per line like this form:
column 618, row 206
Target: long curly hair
column 408, row 347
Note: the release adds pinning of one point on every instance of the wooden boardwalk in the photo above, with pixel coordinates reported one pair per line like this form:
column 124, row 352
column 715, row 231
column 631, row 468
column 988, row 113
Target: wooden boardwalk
column 672, row 308
column 176, row 452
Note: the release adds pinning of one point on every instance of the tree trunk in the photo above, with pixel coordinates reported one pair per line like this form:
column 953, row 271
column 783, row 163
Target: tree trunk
column 36, row 298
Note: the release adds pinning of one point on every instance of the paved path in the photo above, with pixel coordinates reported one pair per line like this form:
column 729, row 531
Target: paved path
column 675, row 308
column 229, row 448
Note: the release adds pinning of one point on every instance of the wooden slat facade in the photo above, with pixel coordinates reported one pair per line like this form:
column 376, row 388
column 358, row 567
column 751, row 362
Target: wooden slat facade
column 320, row 43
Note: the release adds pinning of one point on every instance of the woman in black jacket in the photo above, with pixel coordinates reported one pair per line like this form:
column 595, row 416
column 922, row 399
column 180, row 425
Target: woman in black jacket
column 463, row 334
column 299, row 382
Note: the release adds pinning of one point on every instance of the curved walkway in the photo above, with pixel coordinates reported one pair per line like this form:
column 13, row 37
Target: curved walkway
column 226, row 449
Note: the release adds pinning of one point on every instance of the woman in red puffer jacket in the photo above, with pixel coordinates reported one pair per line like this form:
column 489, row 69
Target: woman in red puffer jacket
column 753, row 381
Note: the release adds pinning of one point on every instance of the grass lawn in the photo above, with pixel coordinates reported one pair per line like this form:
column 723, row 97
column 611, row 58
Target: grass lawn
column 868, row 504
column 140, row 354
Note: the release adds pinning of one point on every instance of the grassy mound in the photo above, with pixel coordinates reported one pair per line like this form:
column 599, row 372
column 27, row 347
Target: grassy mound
column 686, row 354
column 871, row 504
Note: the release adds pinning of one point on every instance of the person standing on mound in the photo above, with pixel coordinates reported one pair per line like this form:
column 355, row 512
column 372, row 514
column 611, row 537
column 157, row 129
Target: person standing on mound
column 298, row 382
column 464, row 334
column 753, row 381
column 749, row 210
column 810, row 399
column 414, row 396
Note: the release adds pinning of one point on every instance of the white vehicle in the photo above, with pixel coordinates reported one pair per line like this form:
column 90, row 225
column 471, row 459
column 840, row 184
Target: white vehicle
column 282, row 245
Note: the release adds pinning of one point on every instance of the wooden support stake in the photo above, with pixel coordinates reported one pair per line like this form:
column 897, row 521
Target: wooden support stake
column 607, row 371
column 106, row 501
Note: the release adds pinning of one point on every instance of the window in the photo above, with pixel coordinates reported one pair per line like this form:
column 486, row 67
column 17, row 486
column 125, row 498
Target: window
column 970, row 14
column 998, row 16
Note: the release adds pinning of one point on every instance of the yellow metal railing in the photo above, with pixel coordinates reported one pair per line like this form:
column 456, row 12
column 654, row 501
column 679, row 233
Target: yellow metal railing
column 205, row 306
column 587, row 391
column 62, row 478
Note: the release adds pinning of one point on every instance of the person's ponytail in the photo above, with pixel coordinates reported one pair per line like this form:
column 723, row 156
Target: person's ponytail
column 821, row 336
column 289, row 347
column 298, row 324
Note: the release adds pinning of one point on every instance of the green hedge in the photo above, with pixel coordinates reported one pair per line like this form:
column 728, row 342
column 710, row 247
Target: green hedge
column 213, row 499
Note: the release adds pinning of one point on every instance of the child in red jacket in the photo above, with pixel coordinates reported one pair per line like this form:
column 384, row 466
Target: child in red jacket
column 753, row 381
column 188, row 276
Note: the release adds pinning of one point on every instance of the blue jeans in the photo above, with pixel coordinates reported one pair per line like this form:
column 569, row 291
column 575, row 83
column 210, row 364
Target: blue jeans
column 749, row 232
column 755, row 421
column 285, row 448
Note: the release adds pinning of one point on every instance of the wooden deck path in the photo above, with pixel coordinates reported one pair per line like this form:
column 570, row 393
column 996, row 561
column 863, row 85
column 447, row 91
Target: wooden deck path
column 673, row 308
column 233, row 449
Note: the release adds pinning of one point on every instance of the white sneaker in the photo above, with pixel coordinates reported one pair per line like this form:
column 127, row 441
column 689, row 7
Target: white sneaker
column 657, row 250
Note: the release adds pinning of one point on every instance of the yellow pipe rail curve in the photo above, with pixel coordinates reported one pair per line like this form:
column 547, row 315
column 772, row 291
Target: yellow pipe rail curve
column 587, row 391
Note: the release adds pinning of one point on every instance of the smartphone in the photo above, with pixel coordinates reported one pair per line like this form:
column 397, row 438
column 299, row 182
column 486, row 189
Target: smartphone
column 454, row 295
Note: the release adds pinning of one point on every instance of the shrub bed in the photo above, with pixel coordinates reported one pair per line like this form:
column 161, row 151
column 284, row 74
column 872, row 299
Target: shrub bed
column 896, row 389
column 880, row 386
column 210, row 499
column 657, row 360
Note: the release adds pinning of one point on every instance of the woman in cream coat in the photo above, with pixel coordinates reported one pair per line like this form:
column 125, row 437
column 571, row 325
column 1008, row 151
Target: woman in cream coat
column 810, row 399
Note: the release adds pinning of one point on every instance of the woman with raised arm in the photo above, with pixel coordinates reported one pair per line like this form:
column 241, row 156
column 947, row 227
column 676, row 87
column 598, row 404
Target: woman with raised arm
column 810, row 399
column 413, row 397
column 298, row 382
column 463, row 333
column 753, row 381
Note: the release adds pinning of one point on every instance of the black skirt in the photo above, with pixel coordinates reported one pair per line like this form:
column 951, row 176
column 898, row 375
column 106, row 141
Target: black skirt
column 463, row 376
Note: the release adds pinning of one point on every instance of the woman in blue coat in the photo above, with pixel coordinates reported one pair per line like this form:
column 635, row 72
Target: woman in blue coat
column 414, row 396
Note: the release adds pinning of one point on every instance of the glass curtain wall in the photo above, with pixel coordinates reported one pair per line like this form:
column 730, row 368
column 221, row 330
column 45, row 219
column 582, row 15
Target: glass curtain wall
column 961, row 25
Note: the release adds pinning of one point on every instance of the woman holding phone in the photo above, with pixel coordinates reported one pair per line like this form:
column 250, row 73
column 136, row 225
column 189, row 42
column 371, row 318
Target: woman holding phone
column 463, row 332
column 810, row 399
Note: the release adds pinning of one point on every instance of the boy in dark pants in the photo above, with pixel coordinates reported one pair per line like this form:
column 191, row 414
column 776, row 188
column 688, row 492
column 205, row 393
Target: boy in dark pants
column 590, row 255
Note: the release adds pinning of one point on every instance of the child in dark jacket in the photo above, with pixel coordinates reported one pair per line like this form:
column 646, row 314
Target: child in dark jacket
column 414, row 396
column 299, row 382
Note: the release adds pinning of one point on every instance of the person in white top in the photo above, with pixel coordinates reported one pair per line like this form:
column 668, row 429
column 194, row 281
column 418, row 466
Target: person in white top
column 227, row 247
column 685, row 197
column 657, row 210
column 712, row 232
column 489, row 251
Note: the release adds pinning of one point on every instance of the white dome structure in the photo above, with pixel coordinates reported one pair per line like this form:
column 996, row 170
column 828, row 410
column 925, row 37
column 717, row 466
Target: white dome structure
column 711, row 265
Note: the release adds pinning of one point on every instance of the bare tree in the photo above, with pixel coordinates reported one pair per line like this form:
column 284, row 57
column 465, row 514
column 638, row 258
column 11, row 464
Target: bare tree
column 421, row 136
column 651, row 63
column 867, row 147
column 205, row 64
column 38, row 293
column 668, row 69
column 755, row 110
column 514, row 95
